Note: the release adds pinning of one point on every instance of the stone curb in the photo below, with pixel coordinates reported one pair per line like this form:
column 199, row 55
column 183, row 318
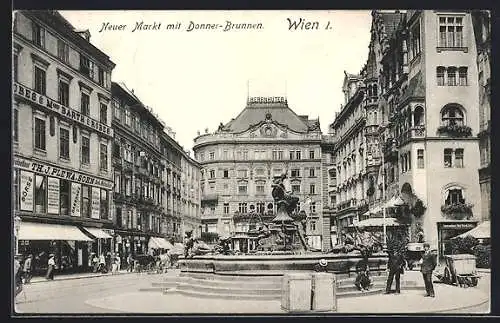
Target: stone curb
column 77, row 277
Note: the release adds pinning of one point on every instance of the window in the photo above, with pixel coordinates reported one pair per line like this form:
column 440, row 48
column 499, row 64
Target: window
column 451, row 76
column 226, row 173
column 40, row 194
column 104, row 156
column 212, row 173
column 127, row 119
column 312, row 225
column 64, row 143
column 38, row 35
column 259, row 172
column 311, row 173
column 280, row 154
column 15, row 188
column 297, row 154
column 86, row 66
column 116, row 110
column 211, row 155
column 455, row 196
column 242, row 173
column 420, row 158
column 242, row 188
column 85, row 104
column 259, row 188
column 440, row 75
column 104, row 204
column 117, row 183
column 242, row 207
column 62, row 51
column 103, row 112
column 415, row 41
column 226, row 208
column 311, row 154
column 63, row 93
column 462, row 76
column 39, row 134
column 85, row 150
column 296, row 188
column 452, row 115
column 225, row 154
column 312, row 207
column 447, row 157
column 40, row 80
column 450, row 32
column 100, row 76
column 275, row 155
column 15, row 127
column 295, row 172
column 459, row 158
column 64, row 188
column 312, row 189
column 292, row 154
column 15, row 67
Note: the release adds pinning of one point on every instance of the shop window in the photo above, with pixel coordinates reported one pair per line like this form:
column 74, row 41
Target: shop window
column 64, row 191
column 40, row 194
column 86, row 201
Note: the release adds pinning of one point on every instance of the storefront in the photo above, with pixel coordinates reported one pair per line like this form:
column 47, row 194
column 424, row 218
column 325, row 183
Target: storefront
column 70, row 246
column 451, row 229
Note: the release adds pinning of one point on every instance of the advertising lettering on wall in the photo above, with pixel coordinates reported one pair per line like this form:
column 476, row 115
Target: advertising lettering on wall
column 96, row 202
column 53, row 195
column 42, row 100
column 27, row 183
column 45, row 169
column 75, row 199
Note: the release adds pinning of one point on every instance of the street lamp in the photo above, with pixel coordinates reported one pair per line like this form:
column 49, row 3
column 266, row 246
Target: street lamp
column 17, row 225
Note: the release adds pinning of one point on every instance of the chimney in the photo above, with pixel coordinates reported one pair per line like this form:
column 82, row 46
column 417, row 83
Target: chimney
column 84, row 33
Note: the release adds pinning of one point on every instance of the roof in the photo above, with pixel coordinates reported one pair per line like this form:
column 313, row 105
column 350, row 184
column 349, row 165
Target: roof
column 391, row 21
column 254, row 113
column 482, row 231
column 416, row 88
column 378, row 222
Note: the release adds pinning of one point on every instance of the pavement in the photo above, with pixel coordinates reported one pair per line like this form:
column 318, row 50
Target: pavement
column 120, row 294
column 39, row 279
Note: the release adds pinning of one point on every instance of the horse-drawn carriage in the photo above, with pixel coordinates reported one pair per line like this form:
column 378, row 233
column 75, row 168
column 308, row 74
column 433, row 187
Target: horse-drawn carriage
column 460, row 270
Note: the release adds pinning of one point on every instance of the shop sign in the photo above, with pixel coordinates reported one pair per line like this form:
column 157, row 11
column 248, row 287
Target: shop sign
column 45, row 169
column 53, row 195
column 61, row 110
column 76, row 199
column 96, row 202
column 455, row 226
column 27, row 183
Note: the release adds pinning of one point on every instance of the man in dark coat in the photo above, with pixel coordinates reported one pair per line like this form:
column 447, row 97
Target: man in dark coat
column 396, row 267
column 429, row 263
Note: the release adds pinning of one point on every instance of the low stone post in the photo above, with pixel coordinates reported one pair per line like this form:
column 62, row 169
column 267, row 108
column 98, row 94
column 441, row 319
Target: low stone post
column 296, row 292
column 324, row 292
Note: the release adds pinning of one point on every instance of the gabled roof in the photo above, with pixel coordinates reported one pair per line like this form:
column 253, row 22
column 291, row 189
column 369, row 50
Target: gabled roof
column 391, row 21
column 255, row 113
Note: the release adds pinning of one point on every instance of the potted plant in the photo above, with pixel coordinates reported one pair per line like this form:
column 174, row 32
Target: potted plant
column 457, row 211
column 455, row 130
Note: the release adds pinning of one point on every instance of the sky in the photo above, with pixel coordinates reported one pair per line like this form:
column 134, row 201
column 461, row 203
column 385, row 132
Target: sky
column 197, row 79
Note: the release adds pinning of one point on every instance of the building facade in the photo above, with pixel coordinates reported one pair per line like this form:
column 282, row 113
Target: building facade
column 240, row 160
column 329, row 191
column 428, row 120
column 62, row 136
column 481, row 20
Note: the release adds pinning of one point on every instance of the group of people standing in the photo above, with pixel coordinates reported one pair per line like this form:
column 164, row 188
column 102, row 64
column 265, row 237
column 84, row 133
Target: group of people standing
column 109, row 262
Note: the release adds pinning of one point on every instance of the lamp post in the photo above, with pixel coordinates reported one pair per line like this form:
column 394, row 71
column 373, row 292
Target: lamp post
column 17, row 225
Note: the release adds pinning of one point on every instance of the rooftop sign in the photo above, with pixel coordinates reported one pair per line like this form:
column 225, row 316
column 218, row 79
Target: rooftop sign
column 271, row 99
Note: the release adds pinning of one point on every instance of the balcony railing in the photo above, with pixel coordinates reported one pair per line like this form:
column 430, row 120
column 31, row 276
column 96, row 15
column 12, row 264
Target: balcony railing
column 209, row 197
column 459, row 131
column 457, row 211
column 347, row 204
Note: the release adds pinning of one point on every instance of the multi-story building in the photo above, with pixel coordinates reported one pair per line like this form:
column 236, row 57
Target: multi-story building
column 139, row 167
column 427, row 109
column 348, row 130
column 240, row 160
column 328, row 191
column 190, row 195
column 62, row 139
column 481, row 21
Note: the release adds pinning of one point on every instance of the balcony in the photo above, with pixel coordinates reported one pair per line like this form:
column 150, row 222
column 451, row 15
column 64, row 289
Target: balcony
column 210, row 197
column 346, row 205
column 455, row 131
column 457, row 211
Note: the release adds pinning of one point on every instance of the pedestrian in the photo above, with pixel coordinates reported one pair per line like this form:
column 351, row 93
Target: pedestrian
column 130, row 263
column 396, row 268
column 18, row 274
column 118, row 261
column 429, row 262
column 322, row 266
column 95, row 262
column 27, row 269
column 51, row 265
column 102, row 263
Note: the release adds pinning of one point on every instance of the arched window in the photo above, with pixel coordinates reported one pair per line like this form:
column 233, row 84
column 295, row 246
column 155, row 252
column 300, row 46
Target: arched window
column 440, row 75
column 418, row 116
column 452, row 115
column 454, row 195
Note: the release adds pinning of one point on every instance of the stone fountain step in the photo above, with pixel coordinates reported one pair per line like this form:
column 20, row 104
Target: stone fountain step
column 202, row 294
column 235, row 290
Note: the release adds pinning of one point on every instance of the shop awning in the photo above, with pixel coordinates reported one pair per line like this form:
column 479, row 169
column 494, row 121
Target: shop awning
column 159, row 243
column 378, row 222
column 482, row 231
column 98, row 233
column 45, row 231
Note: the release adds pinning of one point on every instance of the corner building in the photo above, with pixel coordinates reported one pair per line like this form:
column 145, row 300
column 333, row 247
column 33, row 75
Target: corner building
column 240, row 160
column 62, row 135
